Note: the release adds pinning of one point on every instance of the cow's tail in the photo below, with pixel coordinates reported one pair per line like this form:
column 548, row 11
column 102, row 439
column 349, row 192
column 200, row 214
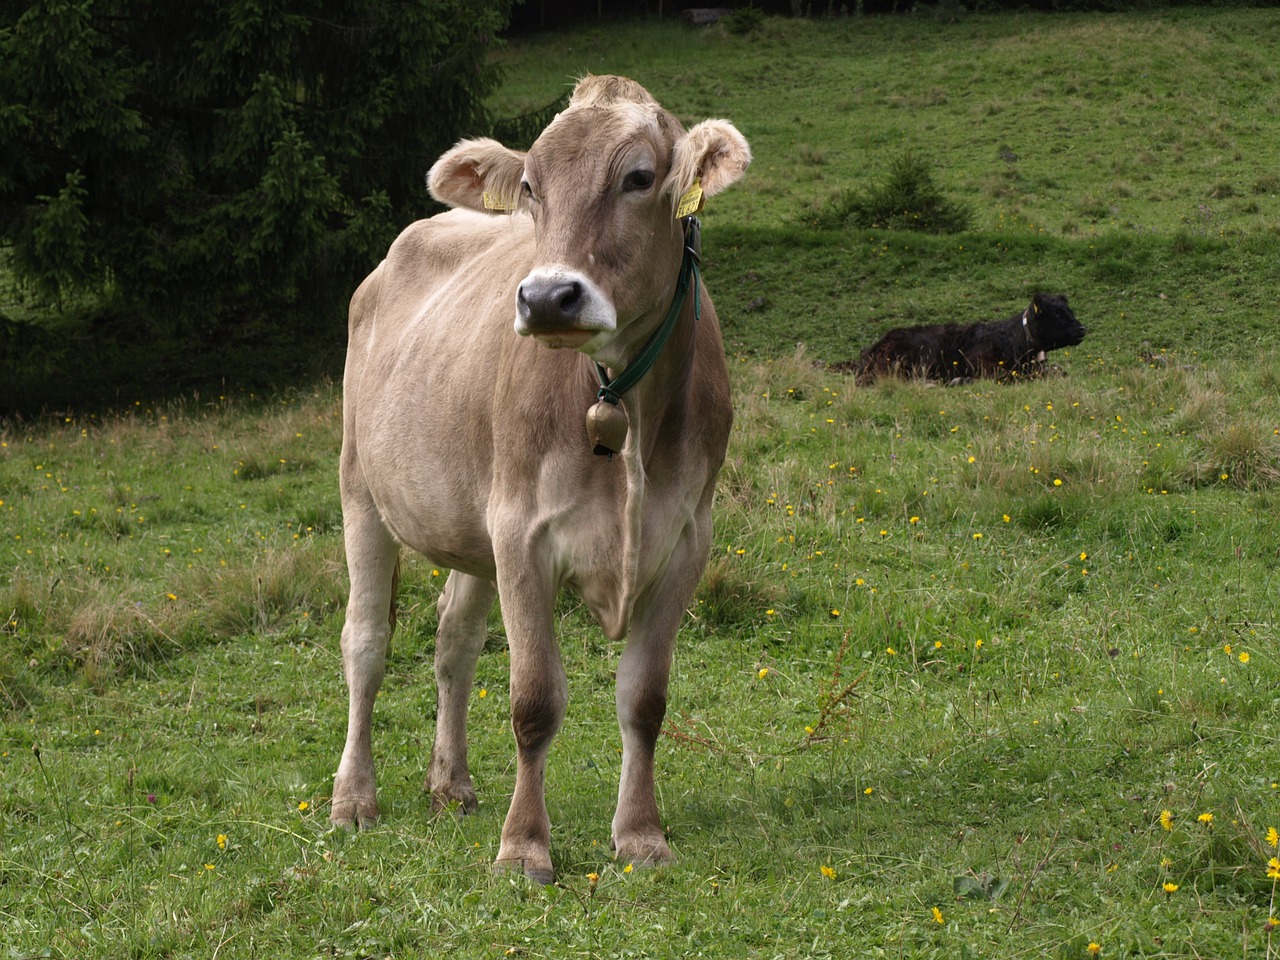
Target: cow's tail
column 395, row 589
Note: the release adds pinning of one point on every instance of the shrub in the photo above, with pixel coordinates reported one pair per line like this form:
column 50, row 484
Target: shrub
column 907, row 199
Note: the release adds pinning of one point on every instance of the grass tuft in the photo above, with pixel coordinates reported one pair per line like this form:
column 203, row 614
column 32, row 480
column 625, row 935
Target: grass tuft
column 908, row 198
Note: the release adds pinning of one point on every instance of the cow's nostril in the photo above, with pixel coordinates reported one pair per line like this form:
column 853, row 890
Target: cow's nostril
column 572, row 299
column 550, row 302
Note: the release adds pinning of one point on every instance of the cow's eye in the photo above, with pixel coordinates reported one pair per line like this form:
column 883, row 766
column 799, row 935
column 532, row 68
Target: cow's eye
column 526, row 191
column 637, row 180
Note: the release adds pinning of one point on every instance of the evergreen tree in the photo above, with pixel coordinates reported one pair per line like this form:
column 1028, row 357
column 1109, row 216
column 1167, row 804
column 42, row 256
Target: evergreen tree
column 210, row 166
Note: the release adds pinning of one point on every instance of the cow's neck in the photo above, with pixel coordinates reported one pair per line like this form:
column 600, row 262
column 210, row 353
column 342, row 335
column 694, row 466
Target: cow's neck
column 648, row 406
column 607, row 425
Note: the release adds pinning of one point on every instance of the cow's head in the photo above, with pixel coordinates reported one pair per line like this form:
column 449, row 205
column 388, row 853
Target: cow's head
column 1052, row 324
column 602, row 184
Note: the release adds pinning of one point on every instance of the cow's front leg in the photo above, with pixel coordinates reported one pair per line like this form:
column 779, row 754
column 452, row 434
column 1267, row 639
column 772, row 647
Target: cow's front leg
column 644, row 671
column 372, row 556
column 538, row 700
column 463, row 612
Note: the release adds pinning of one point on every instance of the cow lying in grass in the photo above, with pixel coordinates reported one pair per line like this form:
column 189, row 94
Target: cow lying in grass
column 951, row 352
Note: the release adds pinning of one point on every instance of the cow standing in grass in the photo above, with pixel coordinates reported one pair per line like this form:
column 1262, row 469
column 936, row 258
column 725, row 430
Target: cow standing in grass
column 468, row 440
column 950, row 352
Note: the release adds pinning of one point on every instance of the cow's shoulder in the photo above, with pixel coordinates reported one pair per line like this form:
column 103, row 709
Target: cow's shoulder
column 443, row 243
column 431, row 253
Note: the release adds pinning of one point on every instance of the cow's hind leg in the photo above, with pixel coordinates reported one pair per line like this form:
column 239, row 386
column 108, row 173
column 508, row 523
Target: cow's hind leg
column 463, row 611
column 372, row 558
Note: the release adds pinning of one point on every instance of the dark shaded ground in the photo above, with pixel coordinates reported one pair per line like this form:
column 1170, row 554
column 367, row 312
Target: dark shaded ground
column 55, row 372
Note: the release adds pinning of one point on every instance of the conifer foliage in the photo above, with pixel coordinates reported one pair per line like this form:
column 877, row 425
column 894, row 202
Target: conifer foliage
column 213, row 165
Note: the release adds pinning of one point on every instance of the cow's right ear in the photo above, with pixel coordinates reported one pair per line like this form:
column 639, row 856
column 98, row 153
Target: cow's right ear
column 714, row 153
column 478, row 174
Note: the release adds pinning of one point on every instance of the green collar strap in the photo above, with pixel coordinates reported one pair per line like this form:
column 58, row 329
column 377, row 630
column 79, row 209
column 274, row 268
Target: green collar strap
column 611, row 390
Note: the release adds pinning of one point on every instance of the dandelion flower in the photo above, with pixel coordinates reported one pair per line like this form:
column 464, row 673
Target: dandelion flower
column 1273, row 869
column 937, row 915
column 1094, row 949
column 210, row 866
column 303, row 806
column 1166, row 819
column 1273, row 838
column 628, row 868
column 593, row 879
column 1057, row 482
column 828, row 872
column 977, row 644
column 222, row 841
column 1170, row 887
column 869, row 791
column 835, row 613
column 1205, row 818
column 764, row 672
column 890, row 651
column 1244, row 656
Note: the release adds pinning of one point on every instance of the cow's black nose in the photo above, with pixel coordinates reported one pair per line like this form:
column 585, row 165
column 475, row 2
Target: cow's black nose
column 549, row 303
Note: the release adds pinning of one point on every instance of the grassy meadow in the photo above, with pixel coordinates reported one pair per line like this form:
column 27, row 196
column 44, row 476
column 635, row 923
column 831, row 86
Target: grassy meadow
column 975, row 672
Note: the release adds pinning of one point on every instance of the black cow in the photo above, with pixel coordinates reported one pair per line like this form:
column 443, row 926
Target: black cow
column 1008, row 349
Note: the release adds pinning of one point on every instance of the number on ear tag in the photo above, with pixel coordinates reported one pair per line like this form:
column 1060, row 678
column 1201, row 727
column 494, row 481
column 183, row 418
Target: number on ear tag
column 692, row 200
column 497, row 202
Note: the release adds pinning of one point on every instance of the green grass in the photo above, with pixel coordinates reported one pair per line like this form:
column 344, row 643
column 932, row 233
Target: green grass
column 956, row 648
column 1105, row 157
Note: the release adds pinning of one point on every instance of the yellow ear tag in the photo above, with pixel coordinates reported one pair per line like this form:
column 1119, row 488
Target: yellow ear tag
column 497, row 202
column 692, row 200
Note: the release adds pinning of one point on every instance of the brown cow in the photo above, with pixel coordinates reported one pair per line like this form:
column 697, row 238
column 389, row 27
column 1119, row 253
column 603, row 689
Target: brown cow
column 469, row 443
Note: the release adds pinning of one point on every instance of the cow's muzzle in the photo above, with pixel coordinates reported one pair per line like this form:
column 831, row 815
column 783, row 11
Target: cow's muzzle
column 561, row 306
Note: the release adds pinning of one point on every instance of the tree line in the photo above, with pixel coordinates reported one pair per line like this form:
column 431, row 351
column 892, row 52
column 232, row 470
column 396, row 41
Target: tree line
column 218, row 167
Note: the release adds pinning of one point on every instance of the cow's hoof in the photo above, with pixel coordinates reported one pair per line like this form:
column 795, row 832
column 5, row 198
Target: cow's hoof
column 643, row 851
column 451, row 796
column 535, row 869
column 358, row 814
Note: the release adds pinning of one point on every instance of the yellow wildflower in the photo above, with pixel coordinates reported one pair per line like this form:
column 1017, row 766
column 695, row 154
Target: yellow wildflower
column 1166, row 819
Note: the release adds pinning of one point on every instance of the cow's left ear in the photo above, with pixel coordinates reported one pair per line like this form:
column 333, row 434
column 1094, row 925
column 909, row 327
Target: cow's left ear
column 478, row 174
column 713, row 152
